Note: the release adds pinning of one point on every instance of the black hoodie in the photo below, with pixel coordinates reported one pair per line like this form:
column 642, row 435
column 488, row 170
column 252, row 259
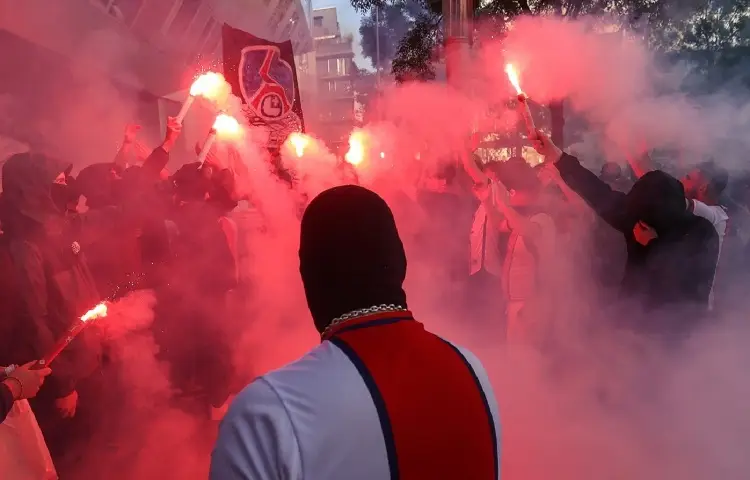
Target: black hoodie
column 54, row 285
column 675, row 270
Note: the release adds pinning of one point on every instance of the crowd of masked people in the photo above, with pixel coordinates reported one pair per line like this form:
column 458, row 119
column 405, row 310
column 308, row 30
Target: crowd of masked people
column 69, row 243
column 658, row 253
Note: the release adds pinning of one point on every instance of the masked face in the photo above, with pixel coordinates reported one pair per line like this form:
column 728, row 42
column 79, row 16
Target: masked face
column 60, row 195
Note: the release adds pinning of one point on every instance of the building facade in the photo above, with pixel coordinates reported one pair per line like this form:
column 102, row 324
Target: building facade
column 334, row 69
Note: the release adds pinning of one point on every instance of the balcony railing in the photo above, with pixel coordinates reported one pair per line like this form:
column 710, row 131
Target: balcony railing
column 335, row 47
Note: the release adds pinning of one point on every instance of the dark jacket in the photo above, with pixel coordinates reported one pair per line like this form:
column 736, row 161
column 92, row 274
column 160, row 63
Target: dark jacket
column 676, row 270
column 53, row 282
column 118, row 254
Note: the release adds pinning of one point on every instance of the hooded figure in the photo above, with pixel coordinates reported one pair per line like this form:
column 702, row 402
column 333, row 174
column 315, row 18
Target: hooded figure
column 126, row 255
column 361, row 265
column 672, row 253
column 53, row 282
column 377, row 398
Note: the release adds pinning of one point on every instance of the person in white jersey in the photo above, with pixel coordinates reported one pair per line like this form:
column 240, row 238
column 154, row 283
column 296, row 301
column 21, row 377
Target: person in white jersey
column 377, row 399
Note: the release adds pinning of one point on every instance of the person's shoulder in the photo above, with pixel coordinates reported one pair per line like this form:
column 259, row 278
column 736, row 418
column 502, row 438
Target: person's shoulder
column 702, row 229
column 469, row 357
column 303, row 372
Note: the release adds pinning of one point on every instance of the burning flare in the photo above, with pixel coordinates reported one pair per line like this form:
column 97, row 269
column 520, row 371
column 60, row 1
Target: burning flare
column 356, row 153
column 299, row 141
column 513, row 77
column 209, row 85
column 525, row 112
column 98, row 311
column 226, row 126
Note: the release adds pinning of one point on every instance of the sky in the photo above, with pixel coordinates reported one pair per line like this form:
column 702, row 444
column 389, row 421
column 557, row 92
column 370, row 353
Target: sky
column 349, row 21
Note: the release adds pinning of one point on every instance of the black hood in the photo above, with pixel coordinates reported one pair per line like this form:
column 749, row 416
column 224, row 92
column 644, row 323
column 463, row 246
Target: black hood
column 27, row 181
column 351, row 255
column 191, row 183
column 98, row 182
column 657, row 199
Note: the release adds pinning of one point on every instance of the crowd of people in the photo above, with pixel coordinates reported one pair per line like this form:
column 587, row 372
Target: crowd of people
column 377, row 386
column 138, row 228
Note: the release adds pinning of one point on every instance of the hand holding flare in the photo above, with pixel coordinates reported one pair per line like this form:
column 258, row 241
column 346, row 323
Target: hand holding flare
column 522, row 100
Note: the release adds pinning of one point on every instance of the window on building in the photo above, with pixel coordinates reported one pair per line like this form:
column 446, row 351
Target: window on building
column 317, row 21
column 184, row 17
column 342, row 66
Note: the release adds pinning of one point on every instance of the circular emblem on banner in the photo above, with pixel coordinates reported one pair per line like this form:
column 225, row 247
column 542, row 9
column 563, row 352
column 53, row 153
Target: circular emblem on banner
column 267, row 84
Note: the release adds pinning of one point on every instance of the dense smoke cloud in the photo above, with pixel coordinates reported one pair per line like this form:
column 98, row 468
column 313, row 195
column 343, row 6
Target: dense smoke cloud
column 600, row 404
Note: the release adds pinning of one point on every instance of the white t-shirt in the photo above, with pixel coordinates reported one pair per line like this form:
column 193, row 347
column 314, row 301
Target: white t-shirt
column 718, row 218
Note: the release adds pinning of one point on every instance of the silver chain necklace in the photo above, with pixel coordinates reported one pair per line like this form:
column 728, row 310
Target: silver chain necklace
column 362, row 312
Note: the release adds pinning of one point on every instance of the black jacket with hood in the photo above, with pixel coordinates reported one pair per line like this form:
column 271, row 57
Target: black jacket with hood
column 53, row 283
column 674, row 271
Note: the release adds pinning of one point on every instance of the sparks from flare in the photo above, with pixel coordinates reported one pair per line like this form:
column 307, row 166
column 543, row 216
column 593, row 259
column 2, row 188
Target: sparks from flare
column 299, row 141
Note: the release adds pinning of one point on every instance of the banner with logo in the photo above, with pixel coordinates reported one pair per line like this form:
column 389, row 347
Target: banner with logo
column 263, row 75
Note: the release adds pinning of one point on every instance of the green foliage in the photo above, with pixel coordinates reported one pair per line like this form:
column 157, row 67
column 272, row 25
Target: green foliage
column 668, row 25
column 390, row 22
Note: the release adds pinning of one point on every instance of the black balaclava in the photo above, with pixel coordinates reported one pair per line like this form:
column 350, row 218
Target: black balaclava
column 351, row 256
column 657, row 199
column 190, row 183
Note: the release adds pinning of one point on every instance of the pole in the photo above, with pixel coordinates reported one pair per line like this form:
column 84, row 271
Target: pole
column 377, row 45
column 457, row 16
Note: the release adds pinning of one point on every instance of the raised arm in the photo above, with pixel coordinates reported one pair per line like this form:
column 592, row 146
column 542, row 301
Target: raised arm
column 121, row 159
column 516, row 221
column 607, row 203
